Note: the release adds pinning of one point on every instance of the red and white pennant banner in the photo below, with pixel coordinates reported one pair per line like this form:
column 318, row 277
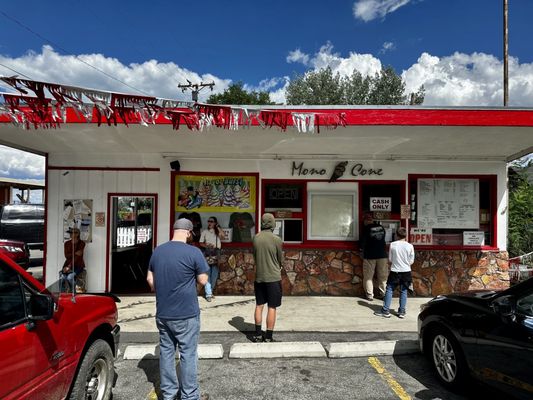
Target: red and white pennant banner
column 113, row 108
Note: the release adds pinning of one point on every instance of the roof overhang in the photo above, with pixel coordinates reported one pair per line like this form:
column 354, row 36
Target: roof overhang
column 372, row 133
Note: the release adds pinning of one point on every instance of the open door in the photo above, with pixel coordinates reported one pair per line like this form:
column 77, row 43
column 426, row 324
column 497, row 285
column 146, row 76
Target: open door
column 132, row 242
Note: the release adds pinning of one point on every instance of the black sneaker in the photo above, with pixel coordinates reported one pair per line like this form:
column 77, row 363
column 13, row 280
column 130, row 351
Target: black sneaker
column 382, row 314
column 271, row 340
column 255, row 338
column 401, row 315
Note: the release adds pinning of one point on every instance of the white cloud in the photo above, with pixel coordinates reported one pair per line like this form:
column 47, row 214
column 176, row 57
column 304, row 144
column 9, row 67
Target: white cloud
column 366, row 64
column 368, row 10
column 387, row 46
column 296, row 56
column 150, row 77
column 470, row 80
column 16, row 164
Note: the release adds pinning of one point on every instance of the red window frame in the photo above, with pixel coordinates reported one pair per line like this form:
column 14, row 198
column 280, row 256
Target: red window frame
column 492, row 181
column 335, row 244
column 173, row 175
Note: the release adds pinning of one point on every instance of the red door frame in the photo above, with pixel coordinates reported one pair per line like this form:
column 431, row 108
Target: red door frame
column 108, row 235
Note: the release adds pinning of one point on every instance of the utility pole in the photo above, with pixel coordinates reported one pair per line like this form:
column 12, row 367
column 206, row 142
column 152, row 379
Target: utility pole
column 195, row 88
column 505, row 55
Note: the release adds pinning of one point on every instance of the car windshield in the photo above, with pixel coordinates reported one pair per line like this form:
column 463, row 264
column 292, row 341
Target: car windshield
column 56, row 288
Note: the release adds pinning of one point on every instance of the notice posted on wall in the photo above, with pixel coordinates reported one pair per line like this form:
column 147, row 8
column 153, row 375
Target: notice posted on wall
column 78, row 214
column 473, row 238
column 448, row 203
column 421, row 236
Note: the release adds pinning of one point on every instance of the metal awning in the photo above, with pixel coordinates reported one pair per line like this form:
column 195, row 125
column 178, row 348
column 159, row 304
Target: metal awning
column 372, row 133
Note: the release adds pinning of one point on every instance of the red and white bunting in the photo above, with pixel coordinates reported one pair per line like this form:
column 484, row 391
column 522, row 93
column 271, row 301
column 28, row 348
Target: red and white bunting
column 109, row 107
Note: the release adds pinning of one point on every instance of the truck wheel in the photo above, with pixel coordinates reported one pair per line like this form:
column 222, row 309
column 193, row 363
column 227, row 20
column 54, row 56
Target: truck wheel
column 94, row 380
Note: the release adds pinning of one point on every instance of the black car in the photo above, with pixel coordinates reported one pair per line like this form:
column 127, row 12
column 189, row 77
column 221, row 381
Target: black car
column 487, row 335
column 24, row 222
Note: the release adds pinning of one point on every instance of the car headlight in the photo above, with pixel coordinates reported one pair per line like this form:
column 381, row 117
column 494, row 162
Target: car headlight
column 11, row 249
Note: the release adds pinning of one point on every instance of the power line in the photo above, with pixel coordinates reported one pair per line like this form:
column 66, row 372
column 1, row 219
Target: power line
column 15, row 71
column 68, row 52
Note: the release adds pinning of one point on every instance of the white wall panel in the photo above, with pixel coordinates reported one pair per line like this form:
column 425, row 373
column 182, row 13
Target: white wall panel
column 94, row 185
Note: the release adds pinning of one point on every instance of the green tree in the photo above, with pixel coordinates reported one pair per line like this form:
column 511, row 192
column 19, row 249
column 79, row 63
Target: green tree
column 520, row 236
column 317, row 88
column 236, row 94
column 322, row 87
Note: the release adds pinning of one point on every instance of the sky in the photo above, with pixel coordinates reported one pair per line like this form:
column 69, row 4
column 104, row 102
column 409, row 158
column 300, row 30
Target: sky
column 452, row 47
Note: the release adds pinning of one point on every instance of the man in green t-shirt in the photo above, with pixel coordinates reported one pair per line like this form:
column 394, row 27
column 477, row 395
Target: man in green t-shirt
column 268, row 257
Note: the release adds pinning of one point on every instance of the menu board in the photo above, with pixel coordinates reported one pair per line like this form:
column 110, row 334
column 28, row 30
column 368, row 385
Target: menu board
column 448, row 203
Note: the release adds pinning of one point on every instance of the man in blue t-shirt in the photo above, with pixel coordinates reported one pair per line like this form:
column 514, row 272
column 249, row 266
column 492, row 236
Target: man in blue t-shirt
column 175, row 268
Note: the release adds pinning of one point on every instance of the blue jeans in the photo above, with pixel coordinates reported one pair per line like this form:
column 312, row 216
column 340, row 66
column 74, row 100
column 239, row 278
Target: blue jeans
column 212, row 276
column 70, row 278
column 388, row 297
column 184, row 334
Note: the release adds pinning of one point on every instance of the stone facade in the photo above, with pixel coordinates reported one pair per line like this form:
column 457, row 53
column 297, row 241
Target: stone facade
column 340, row 273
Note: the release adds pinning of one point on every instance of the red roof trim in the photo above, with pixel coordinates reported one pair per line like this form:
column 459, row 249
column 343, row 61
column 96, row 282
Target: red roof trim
column 400, row 117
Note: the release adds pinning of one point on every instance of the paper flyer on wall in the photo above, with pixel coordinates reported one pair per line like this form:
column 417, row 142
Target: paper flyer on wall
column 77, row 213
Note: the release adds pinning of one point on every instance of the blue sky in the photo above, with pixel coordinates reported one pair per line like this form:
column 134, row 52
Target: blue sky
column 452, row 47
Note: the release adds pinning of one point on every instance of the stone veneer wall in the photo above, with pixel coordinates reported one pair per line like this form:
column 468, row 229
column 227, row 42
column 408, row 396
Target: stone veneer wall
column 340, row 273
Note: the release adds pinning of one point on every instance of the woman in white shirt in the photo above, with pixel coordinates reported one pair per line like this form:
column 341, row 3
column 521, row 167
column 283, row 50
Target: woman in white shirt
column 211, row 241
column 401, row 257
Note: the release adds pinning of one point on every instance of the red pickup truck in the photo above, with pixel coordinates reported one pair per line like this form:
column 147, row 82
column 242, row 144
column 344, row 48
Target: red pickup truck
column 54, row 345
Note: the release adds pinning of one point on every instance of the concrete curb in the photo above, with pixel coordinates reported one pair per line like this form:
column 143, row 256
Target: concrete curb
column 151, row 352
column 374, row 348
column 286, row 350
column 277, row 350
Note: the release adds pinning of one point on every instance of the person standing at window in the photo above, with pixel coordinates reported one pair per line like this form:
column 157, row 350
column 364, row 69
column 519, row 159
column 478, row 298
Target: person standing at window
column 268, row 256
column 211, row 240
column 374, row 255
column 401, row 257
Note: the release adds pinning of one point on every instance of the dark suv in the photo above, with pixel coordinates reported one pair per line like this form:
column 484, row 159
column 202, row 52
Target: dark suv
column 24, row 222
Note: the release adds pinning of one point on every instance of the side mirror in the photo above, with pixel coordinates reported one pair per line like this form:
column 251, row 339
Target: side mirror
column 504, row 306
column 41, row 307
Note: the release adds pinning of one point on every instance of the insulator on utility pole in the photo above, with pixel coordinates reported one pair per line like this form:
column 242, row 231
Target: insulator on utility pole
column 195, row 88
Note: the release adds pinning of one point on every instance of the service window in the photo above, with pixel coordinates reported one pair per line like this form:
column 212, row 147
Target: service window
column 452, row 210
column 383, row 199
column 286, row 200
column 331, row 216
column 313, row 212
column 230, row 198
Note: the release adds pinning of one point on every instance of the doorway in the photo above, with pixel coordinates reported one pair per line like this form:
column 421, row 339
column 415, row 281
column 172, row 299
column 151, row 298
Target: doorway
column 132, row 241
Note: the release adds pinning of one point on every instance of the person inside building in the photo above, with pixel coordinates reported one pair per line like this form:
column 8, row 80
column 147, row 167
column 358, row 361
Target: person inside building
column 211, row 242
column 74, row 266
column 374, row 254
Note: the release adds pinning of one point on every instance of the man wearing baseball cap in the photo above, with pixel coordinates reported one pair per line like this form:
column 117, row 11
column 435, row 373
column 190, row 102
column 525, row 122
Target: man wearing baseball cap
column 268, row 256
column 175, row 268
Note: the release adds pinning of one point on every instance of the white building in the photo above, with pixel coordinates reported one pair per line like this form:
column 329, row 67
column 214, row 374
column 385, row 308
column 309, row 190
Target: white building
column 441, row 173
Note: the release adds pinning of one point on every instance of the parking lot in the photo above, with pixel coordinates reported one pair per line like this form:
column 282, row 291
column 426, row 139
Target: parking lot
column 382, row 377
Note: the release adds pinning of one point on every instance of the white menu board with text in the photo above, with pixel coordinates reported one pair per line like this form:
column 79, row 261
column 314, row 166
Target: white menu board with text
column 448, row 203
